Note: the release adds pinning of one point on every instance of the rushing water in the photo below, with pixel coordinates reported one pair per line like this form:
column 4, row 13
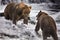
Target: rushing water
column 23, row 31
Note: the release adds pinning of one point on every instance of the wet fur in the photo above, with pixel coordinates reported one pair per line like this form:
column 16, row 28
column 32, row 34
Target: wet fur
column 47, row 24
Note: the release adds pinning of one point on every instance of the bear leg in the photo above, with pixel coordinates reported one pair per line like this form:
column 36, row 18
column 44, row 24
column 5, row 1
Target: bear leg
column 37, row 29
column 25, row 20
column 54, row 35
column 44, row 36
column 6, row 16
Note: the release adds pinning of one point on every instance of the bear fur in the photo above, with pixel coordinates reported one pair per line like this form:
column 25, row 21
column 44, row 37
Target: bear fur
column 47, row 25
column 16, row 12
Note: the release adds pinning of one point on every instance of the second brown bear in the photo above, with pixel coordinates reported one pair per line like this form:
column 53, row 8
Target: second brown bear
column 47, row 24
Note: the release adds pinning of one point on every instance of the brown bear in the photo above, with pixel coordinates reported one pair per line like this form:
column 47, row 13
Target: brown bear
column 16, row 12
column 47, row 25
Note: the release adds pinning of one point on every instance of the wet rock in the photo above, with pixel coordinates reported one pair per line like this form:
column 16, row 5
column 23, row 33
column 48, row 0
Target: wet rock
column 1, row 14
column 32, row 22
column 11, row 36
column 56, row 10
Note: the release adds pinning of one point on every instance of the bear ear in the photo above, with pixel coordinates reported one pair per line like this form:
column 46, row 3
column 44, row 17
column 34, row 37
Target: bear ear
column 39, row 14
column 40, row 11
column 25, row 6
column 30, row 7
